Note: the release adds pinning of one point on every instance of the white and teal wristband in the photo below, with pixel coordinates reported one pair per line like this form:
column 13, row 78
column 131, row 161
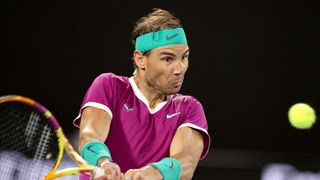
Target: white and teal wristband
column 93, row 151
column 169, row 168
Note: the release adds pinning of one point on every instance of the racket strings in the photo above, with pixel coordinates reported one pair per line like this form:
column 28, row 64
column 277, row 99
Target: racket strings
column 28, row 144
column 43, row 145
column 31, row 128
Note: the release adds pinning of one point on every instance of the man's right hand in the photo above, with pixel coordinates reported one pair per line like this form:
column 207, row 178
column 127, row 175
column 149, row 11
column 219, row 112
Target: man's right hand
column 110, row 171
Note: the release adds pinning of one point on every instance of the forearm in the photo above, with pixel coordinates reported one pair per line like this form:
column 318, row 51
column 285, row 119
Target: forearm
column 94, row 126
column 87, row 135
column 188, row 164
column 187, row 147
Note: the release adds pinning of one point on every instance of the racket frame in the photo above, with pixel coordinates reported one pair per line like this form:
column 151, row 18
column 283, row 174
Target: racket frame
column 63, row 143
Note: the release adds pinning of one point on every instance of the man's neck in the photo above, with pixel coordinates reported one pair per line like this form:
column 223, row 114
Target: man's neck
column 152, row 95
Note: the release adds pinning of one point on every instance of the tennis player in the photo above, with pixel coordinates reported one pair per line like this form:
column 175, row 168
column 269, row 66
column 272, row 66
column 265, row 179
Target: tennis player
column 139, row 126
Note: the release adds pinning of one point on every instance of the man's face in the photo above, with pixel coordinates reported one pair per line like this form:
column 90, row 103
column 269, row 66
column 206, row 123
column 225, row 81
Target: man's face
column 165, row 68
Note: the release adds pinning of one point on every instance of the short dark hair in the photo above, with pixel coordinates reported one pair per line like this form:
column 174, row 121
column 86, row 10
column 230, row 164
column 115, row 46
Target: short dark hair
column 157, row 19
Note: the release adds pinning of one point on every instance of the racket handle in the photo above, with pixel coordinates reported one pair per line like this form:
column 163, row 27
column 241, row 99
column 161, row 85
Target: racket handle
column 99, row 172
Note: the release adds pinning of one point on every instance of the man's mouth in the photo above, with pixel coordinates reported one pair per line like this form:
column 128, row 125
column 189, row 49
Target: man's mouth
column 177, row 82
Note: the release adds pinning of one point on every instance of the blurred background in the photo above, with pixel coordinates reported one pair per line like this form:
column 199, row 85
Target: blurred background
column 250, row 61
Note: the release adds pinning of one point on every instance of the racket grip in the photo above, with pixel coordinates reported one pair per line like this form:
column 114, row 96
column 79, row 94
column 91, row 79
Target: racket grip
column 99, row 172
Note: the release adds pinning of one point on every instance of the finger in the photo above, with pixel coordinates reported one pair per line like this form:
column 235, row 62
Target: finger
column 116, row 172
column 118, row 176
column 110, row 170
column 121, row 176
column 117, row 168
column 129, row 174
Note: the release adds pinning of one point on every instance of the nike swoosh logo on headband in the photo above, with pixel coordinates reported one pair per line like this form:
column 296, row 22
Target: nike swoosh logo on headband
column 171, row 37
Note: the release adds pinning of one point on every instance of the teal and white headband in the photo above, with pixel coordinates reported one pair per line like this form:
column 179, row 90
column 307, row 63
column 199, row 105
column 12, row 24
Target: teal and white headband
column 160, row 38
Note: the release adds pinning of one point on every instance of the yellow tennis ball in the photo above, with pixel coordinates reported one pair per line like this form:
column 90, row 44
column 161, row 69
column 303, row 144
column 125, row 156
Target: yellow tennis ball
column 302, row 116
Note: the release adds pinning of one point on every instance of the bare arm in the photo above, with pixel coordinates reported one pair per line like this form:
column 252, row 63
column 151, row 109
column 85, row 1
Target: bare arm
column 186, row 147
column 94, row 126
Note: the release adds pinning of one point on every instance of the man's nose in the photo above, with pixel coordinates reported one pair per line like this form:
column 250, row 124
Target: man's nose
column 178, row 68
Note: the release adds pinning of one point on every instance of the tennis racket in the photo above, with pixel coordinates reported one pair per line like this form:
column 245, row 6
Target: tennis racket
column 32, row 143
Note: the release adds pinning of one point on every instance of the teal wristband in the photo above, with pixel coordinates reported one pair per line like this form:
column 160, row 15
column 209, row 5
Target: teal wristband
column 93, row 151
column 169, row 168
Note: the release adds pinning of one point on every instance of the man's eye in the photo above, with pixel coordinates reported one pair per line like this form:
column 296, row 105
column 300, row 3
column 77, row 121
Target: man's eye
column 185, row 57
column 167, row 59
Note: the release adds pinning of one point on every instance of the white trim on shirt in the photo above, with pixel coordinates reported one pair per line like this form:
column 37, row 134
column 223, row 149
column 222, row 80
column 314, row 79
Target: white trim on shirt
column 140, row 96
column 96, row 105
column 200, row 129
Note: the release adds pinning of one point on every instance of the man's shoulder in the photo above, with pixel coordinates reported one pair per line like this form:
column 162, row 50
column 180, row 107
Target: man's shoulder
column 181, row 98
column 109, row 76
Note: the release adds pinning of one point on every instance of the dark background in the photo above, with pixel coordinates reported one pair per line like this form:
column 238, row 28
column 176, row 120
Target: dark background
column 250, row 61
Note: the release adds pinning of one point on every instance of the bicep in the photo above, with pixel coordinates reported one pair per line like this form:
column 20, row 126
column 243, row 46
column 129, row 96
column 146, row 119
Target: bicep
column 94, row 125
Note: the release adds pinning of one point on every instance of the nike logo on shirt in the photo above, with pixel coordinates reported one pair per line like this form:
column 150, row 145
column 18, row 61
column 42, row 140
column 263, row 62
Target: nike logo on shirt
column 172, row 115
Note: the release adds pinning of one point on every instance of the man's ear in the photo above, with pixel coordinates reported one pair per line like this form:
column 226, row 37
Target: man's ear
column 139, row 59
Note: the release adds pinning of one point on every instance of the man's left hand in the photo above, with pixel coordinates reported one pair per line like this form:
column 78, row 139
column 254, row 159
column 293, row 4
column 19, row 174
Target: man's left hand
column 145, row 173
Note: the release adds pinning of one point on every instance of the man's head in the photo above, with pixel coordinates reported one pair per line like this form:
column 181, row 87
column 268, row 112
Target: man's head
column 156, row 20
column 161, row 55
